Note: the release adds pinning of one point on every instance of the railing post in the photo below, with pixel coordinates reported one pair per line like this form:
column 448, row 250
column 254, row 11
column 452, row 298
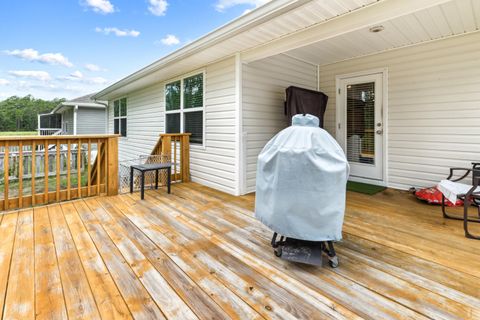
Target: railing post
column 185, row 158
column 112, row 166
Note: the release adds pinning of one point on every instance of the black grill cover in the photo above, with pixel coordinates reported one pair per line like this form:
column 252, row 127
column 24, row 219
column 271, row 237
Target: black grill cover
column 303, row 101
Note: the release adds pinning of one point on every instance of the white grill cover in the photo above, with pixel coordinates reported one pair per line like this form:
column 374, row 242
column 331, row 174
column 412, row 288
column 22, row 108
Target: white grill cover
column 301, row 182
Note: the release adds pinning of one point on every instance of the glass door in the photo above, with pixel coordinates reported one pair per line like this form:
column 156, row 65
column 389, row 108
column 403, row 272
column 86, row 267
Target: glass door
column 362, row 133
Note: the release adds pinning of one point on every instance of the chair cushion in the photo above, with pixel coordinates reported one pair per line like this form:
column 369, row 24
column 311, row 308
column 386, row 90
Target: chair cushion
column 454, row 190
column 433, row 196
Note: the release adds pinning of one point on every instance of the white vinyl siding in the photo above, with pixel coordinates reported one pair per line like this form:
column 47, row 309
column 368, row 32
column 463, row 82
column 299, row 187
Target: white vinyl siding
column 90, row 120
column 212, row 164
column 263, row 95
column 433, row 107
column 145, row 119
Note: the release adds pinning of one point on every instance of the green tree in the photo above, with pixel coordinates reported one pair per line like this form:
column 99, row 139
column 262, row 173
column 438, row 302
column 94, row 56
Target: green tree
column 20, row 113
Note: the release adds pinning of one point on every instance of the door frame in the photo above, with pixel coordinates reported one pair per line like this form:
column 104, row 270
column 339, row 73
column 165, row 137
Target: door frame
column 340, row 119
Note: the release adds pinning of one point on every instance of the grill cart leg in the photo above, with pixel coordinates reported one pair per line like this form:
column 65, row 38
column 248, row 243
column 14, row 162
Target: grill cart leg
column 274, row 240
column 277, row 249
column 331, row 254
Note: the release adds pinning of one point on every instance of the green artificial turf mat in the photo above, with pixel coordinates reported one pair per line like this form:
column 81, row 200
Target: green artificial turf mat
column 365, row 188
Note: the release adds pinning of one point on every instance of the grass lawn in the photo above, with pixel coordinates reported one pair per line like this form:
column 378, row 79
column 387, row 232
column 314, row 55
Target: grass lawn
column 40, row 184
column 18, row 133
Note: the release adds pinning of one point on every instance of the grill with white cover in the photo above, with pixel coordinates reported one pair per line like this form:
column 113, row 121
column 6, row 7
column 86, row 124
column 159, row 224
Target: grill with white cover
column 300, row 193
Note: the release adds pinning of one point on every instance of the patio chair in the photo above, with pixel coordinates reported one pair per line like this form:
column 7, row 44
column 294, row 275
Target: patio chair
column 469, row 198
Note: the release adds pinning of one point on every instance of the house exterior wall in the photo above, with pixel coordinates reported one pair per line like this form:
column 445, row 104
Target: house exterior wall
column 263, row 95
column 212, row 164
column 433, row 107
column 67, row 117
column 145, row 121
column 90, row 121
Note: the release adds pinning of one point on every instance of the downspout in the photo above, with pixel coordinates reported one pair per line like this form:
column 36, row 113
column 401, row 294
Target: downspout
column 239, row 134
column 75, row 111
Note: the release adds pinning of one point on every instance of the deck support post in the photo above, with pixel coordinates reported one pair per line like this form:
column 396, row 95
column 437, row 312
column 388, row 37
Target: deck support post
column 112, row 165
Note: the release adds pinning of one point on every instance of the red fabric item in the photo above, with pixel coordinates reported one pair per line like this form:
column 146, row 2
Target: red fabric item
column 433, row 196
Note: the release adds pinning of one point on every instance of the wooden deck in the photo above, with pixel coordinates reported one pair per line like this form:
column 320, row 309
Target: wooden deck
column 199, row 253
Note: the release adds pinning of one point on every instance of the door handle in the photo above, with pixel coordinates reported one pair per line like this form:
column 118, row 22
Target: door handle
column 379, row 131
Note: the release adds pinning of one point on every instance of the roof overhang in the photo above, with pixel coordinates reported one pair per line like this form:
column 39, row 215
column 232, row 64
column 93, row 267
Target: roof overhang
column 71, row 104
column 277, row 27
column 231, row 29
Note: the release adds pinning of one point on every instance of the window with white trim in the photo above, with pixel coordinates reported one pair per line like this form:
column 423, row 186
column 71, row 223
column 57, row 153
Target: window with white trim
column 184, row 107
column 120, row 117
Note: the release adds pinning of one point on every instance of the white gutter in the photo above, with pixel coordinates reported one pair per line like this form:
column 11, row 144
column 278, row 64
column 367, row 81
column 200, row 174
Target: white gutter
column 83, row 104
column 256, row 17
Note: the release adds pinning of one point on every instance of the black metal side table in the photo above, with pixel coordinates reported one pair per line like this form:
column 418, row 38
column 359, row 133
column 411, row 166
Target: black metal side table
column 150, row 167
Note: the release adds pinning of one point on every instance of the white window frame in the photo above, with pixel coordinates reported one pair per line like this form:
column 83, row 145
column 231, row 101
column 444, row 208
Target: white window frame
column 182, row 110
column 120, row 117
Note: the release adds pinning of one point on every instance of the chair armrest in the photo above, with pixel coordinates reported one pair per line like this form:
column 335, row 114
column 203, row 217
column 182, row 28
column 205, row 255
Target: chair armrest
column 476, row 182
column 452, row 170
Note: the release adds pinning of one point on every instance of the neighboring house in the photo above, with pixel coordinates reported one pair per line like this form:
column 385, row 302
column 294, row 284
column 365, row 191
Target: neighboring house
column 82, row 115
column 402, row 76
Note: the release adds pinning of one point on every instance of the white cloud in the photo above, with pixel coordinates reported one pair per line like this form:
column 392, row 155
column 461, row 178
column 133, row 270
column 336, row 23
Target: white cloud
column 170, row 40
column 37, row 75
column 158, row 7
column 77, row 74
column 78, row 77
column 222, row 5
column 4, row 82
column 100, row 6
column 34, row 55
column 96, row 80
column 118, row 32
column 93, row 67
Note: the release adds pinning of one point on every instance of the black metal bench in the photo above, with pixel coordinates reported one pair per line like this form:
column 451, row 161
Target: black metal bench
column 150, row 167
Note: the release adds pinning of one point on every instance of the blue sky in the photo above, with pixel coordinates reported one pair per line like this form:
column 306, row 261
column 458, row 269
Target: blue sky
column 67, row 48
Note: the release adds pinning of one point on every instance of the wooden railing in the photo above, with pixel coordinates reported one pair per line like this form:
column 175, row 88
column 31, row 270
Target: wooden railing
column 49, row 131
column 177, row 145
column 44, row 169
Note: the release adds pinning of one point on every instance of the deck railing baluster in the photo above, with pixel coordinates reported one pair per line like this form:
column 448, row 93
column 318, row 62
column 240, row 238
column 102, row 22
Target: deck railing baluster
column 79, row 168
column 34, row 171
column 26, row 161
column 45, row 171
column 6, row 175
column 20, row 174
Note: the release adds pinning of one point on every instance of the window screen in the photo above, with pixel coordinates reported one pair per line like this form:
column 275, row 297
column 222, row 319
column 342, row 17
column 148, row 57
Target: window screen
column 123, row 127
column 123, row 107
column 116, row 126
column 51, row 121
column 173, row 123
column 193, row 91
column 120, row 117
column 181, row 97
column 172, row 96
column 193, row 123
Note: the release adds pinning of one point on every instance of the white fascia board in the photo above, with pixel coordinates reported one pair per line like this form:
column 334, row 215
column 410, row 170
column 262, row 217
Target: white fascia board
column 243, row 23
column 362, row 18
column 84, row 104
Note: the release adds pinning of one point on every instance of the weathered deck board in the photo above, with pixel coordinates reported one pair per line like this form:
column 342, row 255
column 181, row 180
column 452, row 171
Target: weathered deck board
column 49, row 300
column 20, row 299
column 140, row 303
column 7, row 230
column 109, row 300
column 78, row 295
column 200, row 253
